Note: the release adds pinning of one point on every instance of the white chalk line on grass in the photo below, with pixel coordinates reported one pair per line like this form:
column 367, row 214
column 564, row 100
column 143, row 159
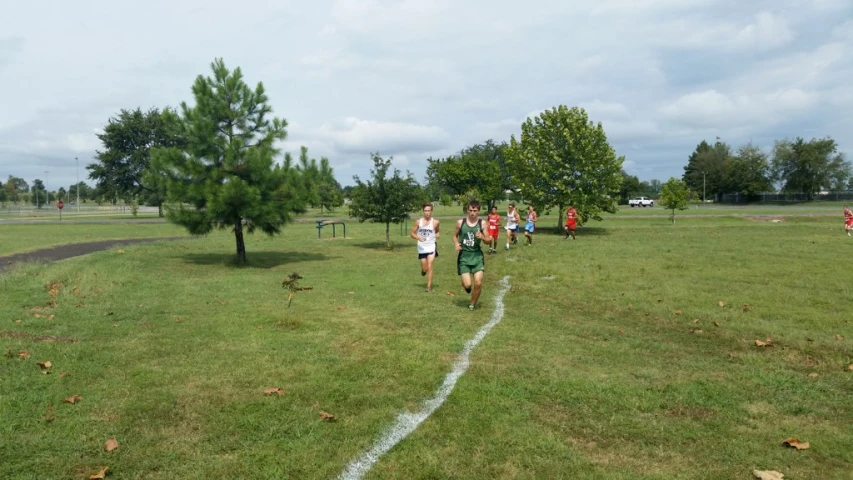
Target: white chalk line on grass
column 408, row 422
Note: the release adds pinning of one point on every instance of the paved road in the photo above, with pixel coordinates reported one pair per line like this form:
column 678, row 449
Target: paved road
column 62, row 252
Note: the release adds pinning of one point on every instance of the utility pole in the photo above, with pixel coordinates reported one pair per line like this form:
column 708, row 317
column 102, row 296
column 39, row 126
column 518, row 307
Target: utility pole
column 703, row 188
column 78, row 183
column 46, row 190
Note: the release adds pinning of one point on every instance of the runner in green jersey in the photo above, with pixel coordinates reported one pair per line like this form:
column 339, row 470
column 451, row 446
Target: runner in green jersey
column 470, row 262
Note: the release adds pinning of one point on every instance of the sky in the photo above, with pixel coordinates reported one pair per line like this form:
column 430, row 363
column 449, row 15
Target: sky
column 420, row 79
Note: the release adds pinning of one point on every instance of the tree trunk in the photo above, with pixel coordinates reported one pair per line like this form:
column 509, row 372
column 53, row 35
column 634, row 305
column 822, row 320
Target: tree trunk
column 387, row 235
column 241, row 247
column 160, row 210
column 560, row 218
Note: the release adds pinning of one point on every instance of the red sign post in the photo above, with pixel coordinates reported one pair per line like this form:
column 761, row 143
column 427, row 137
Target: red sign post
column 59, row 205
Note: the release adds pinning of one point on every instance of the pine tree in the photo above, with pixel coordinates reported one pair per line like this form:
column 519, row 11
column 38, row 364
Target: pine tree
column 225, row 175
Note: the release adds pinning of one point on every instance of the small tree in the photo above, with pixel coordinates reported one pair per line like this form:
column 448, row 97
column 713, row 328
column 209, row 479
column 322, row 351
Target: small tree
column 226, row 175
column 386, row 200
column 674, row 195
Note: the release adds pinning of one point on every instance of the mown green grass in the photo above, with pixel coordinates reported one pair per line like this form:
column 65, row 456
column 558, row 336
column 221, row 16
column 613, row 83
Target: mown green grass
column 20, row 238
column 607, row 364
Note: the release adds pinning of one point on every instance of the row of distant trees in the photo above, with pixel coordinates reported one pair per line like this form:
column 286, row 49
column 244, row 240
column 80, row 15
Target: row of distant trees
column 16, row 191
column 791, row 166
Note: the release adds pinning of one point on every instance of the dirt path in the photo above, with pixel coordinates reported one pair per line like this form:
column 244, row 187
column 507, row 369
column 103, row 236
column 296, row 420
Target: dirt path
column 62, row 252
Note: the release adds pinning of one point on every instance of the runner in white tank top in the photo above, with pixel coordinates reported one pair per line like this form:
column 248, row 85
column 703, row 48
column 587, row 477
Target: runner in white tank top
column 425, row 231
column 512, row 220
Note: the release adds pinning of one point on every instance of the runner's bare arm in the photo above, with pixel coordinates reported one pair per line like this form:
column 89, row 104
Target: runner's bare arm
column 414, row 231
column 456, row 235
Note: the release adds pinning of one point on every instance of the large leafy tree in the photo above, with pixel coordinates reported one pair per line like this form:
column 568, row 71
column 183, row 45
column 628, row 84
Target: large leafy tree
column 706, row 168
column 386, row 199
column 748, row 172
column 563, row 157
column 14, row 188
column 674, row 195
column 631, row 187
column 809, row 167
column 479, row 170
column 123, row 168
column 39, row 193
column 225, row 174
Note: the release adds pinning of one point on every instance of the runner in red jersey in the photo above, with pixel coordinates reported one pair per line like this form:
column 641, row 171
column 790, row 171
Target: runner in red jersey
column 494, row 225
column 848, row 220
column 571, row 222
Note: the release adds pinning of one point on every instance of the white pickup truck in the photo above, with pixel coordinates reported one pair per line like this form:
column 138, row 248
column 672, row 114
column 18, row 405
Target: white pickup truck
column 641, row 202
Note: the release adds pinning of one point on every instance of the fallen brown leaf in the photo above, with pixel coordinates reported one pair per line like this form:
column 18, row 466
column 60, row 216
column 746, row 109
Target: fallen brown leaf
column 746, row 307
column 677, row 312
column 695, row 320
column 812, row 375
column 120, row 251
column 451, row 293
column 64, row 374
column 839, row 337
column 767, row 475
column 716, row 324
column 621, row 331
column 796, row 443
column 327, row 416
column 721, row 303
column 850, row 367
column 759, row 343
column 73, row 399
column 697, row 331
column 101, row 475
column 342, row 308
column 18, row 322
column 23, row 354
column 272, row 390
column 111, row 444
column 44, row 364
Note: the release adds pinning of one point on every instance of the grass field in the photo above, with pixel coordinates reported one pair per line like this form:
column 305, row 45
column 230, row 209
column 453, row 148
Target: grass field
column 627, row 354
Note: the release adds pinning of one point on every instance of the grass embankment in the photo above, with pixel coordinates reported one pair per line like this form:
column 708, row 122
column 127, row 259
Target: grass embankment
column 629, row 353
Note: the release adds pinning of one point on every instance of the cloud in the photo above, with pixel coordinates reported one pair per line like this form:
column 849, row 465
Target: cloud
column 416, row 79
column 710, row 107
column 358, row 136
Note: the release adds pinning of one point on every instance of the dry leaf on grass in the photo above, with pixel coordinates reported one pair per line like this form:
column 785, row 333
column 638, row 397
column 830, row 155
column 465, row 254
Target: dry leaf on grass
column 746, row 307
column 327, row 416
column 44, row 364
column 767, row 343
column 342, row 308
column 812, row 375
column 120, row 251
column 716, row 324
column 23, row 354
column 697, row 331
column 678, row 312
column 451, row 293
column 796, row 443
column 721, row 303
column 695, row 320
column 111, row 444
column 64, row 374
column 100, row 475
column 850, row 367
column 767, row 475
column 277, row 390
column 839, row 337
column 73, row 399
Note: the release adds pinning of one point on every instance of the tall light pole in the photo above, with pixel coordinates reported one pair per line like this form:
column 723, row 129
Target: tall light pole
column 78, row 183
column 703, row 188
column 46, row 190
